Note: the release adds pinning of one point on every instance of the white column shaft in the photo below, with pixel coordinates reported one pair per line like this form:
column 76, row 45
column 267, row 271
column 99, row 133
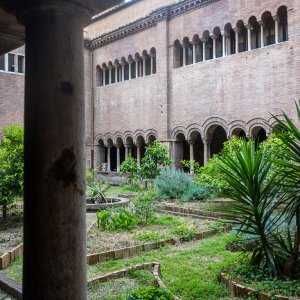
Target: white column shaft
column 214, row 48
column 249, row 38
column 237, row 42
column 108, row 160
column 276, row 32
column 204, row 52
column 262, row 38
column 118, row 159
column 184, row 56
column 194, row 54
column 191, row 158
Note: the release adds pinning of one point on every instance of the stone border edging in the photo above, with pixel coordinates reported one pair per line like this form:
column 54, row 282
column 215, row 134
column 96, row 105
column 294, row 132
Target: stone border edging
column 10, row 256
column 133, row 250
column 121, row 202
column 239, row 290
column 10, row 287
column 193, row 211
column 153, row 267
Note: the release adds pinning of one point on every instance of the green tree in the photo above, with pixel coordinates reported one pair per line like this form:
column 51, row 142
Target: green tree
column 11, row 165
column 288, row 168
column 156, row 157
column 130, row 166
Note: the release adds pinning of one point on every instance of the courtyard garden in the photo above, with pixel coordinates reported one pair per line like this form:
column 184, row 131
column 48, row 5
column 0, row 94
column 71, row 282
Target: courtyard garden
column 232, row 230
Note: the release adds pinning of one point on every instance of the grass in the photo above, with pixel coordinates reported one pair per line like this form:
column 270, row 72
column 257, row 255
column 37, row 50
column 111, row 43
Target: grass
column 123, row 189
column 118, row 288
column 189, row 270
column 161, row 228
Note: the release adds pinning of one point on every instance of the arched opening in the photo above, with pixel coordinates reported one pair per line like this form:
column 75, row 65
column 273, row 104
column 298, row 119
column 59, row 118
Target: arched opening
column 238, row 132
column 230, row 39
column 188, row 51
column 140, row 148
column 283, row 24
column 218, row 138
column 99, row 76
column 118, row 71
column 125, row 65
column 259, row 134
column 208, row 45
column 242, row 36
column 111, row 155
column 198, row 147
column 100, row 156
column 112, row 72
column 153, row 60
column 177, row 55
column 198, row 48
column 151, row 139
column 255, row 33
column 181, row 151
column 269, row 30
column 218, row 42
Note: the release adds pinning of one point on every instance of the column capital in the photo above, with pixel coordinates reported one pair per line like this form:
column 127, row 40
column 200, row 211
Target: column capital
column 276, row 18
column 191, row 142
column 206, row 140
column 261, row 23
column 248, row 26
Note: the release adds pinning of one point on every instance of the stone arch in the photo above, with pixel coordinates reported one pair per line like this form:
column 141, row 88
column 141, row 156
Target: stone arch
column 99, row 136
column 112, row 69
column 150, row 134
column 282, row 14
column 187, row 51
column 237, row 128
column 229, row 39
column 118, row 138
column 257, row 122
column 109, row 140
column 269, row 28
column 196, row 146
column 177, row 54
column 176, row 130
column 180, row 149
column 206, row 38
column 255, row 33
column 138, row 133
column 194, row 127
column 242, row 36
column 218, row 42
column 99, row 76
column 146, row 63
column 153, row 58
column 209, row 124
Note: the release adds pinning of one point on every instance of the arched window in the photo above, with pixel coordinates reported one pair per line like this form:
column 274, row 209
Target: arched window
column 218, row 42
column 148, row 65
column 230, row 39
column 133, row 68
column 242, row 36
column 269, row 30
column 177, row 55
column 255, row 33
column 198, row 48
column 126, row 71
column 209, row 49
column 99, row 76
column 153, row 60
column 283, row 24
column 187, row 51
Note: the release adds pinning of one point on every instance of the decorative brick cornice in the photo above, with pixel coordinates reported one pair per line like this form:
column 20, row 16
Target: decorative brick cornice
column 159, row 15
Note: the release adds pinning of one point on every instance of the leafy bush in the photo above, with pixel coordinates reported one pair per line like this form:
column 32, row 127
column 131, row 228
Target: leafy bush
column 130, row 166
column 95, row 191
column 184, row 232
column 248, row 173
column 11, row 165
column 89, row 177
column 144, row 205
column 116, row 218
column 150, row 293
column 174, row 184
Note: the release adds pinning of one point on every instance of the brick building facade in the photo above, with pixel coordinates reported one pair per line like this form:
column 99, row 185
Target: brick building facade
column 189, row 73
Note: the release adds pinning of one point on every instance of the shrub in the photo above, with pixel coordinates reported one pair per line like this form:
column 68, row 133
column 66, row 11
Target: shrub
column 144, row 206
column 130, row 166
column 116, row 218
column 95, row 191
column 11, row 165
column 89, row 177
column 184, row 232
column 150, row 293
column 172, row 184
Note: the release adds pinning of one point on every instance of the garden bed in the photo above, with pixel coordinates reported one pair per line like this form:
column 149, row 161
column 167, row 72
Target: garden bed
column 163, row 227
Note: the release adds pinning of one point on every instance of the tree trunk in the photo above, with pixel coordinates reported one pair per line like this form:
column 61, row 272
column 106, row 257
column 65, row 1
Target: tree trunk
column 291, row 262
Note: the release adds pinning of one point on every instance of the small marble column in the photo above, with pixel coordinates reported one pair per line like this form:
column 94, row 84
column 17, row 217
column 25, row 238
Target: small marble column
column 126, row 151
column 118, row 159
column 16, row 63
column 194, row 53
column 108, row 159
column 109, row 76
column 262, row 34
column 122, row 72
column 214, row 46
column 138, row 154
column 192, row 160
column 206, row 144
column 129, row 67
column 236, row 41
column 184, row 56
column 144, row 67
column 249, row 37
column 6, row 62
column 204, row 51
column 116, row 74
column 104, row 78
column 136, row 69
column 276, row 20
column 223, row 43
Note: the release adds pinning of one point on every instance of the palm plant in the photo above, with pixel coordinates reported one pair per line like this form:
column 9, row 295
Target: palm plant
column 289, row 170
column 247, row 171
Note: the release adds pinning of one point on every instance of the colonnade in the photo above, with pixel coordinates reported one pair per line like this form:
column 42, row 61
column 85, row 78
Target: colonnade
column 126, row 69
column 256, row 33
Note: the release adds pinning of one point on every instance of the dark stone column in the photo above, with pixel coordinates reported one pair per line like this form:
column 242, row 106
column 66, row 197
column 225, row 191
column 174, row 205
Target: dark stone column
column 54, row 200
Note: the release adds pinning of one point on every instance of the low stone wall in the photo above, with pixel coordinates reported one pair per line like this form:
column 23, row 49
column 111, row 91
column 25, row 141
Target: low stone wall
column 133, row 250
column 193, row 211
column 241, row 291
column 116, row 202
column 10, row 256
column 151, row 266
column 10, row 287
